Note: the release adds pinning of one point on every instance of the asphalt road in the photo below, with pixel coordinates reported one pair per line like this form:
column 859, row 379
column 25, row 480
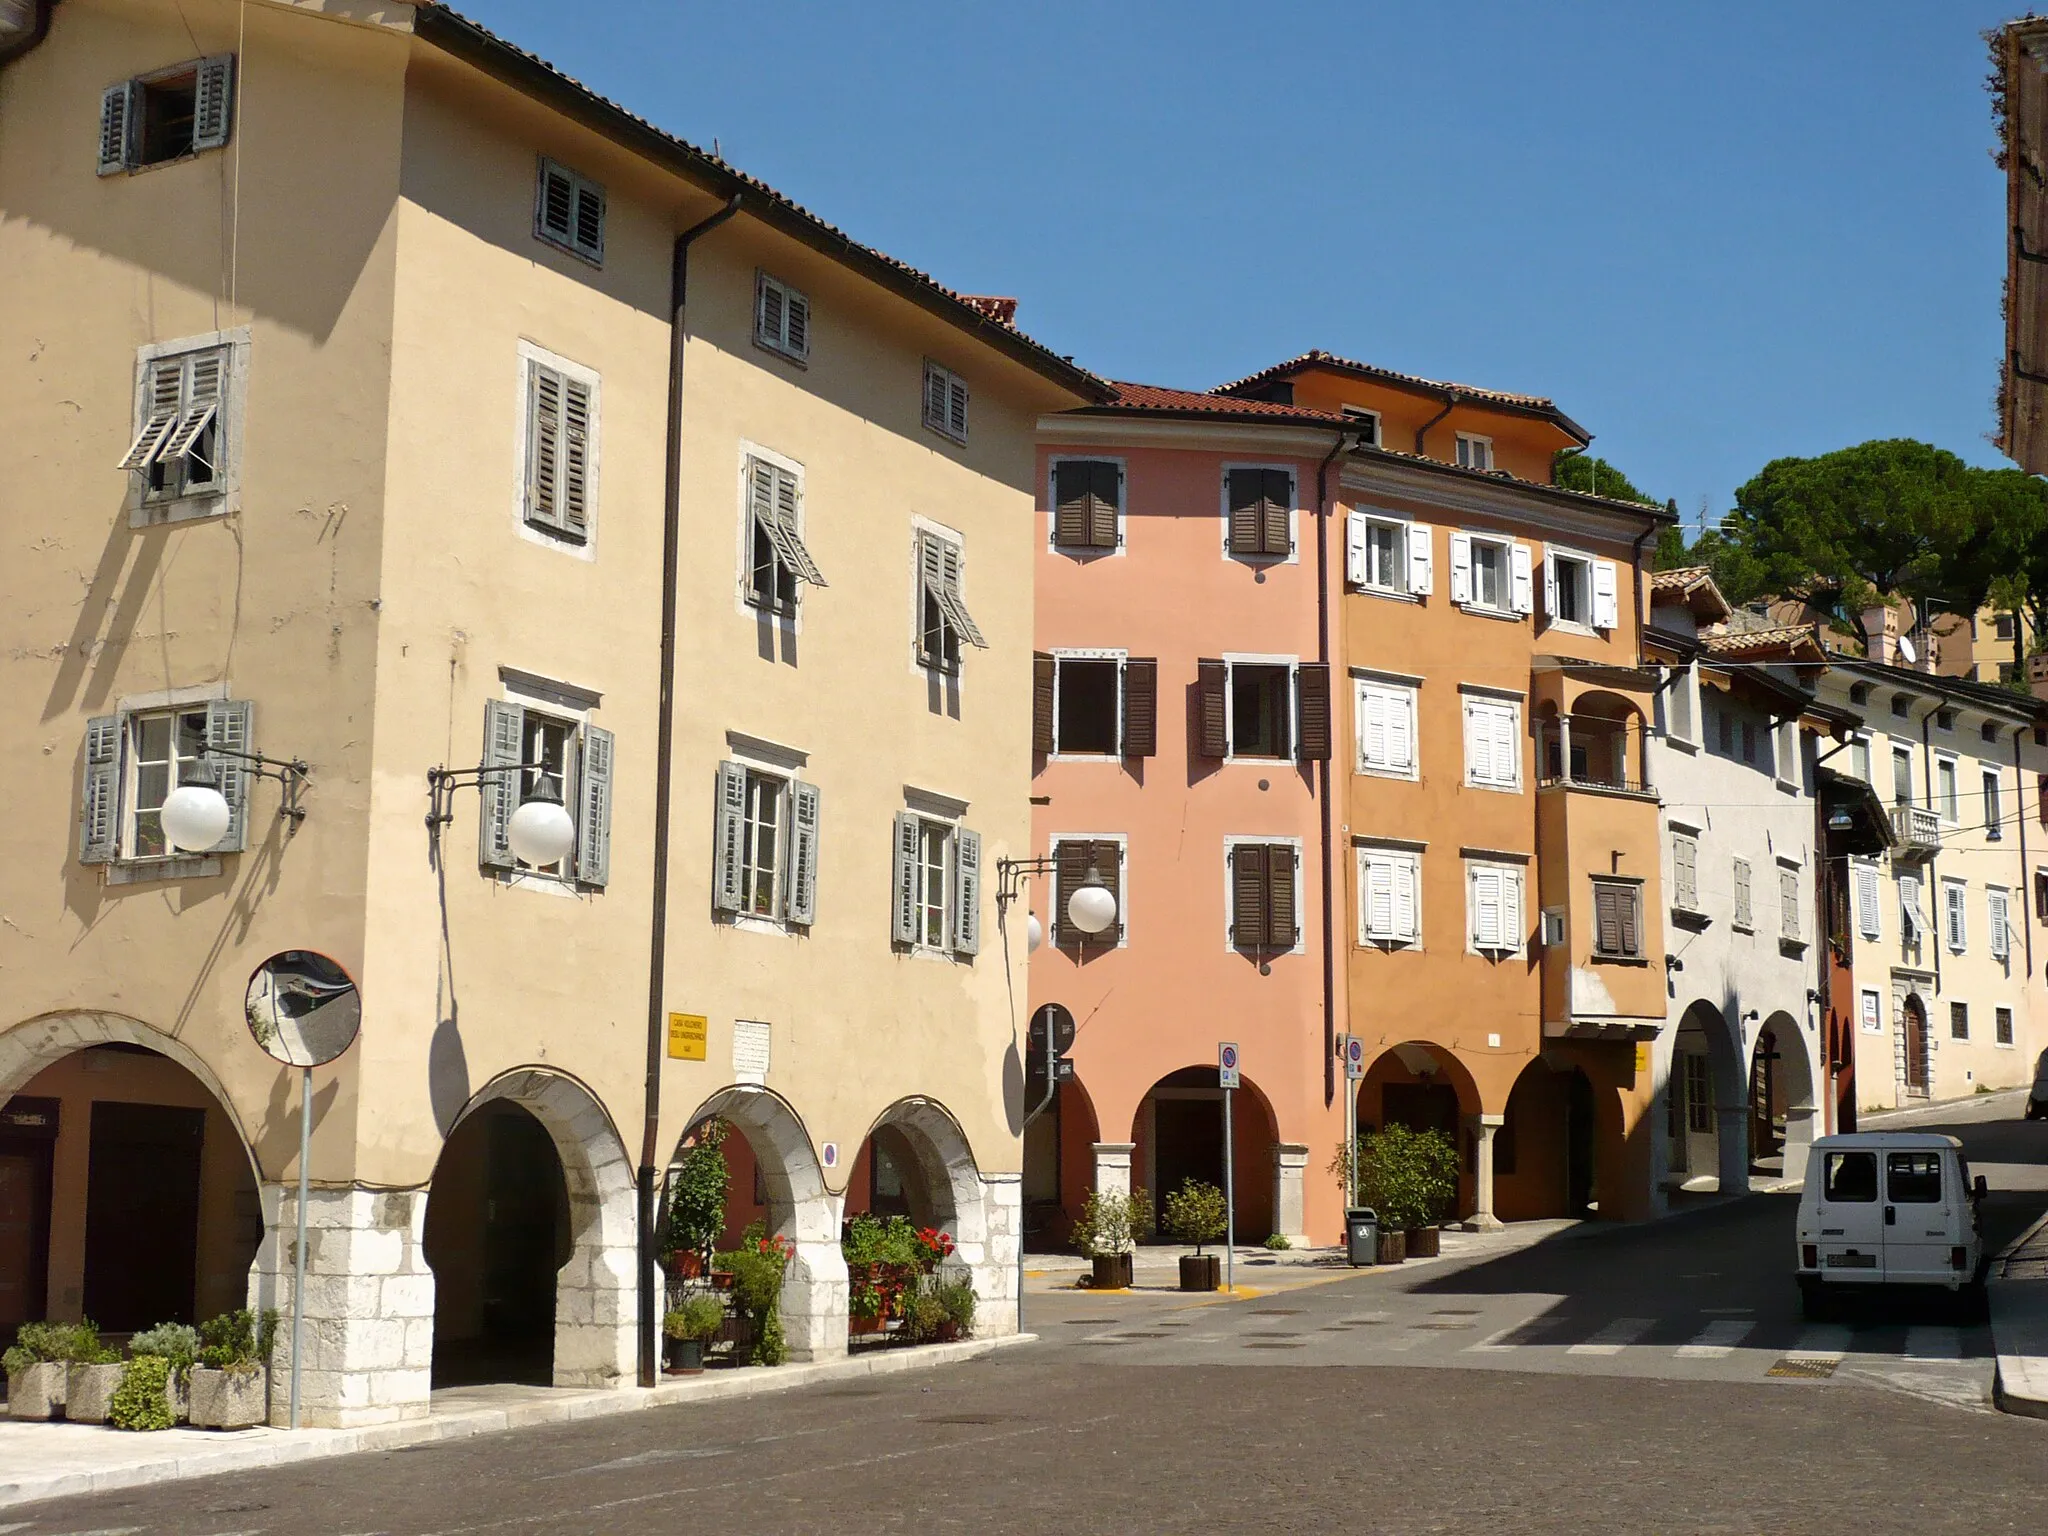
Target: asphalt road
column 1606, row 1379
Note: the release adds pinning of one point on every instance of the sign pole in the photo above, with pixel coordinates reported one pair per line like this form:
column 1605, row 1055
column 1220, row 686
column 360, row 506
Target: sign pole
column 1229, row 1202
column 299, row 1257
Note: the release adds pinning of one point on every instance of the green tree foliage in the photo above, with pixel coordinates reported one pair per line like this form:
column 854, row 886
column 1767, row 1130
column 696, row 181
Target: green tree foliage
column 696, row 1200
column 142, row 1400
column 1195, row 1214
column 1577, row 470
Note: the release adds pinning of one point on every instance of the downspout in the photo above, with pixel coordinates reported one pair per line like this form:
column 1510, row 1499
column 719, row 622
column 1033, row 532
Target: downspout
column 1937, row 909
column 1323, row 768
column 657, row 962
column 1451, row 399
column 2025, row 888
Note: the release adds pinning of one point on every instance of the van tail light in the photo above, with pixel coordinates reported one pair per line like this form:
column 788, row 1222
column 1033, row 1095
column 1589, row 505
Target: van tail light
column 1809, row 1256
column 1959, row 1259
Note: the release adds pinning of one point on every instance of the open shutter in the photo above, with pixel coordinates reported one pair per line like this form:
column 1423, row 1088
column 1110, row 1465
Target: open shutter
column 1519, row 589
column 163, row 390
column 117, row 126
column 1421, row 559
column 1244, row 487
column 1248, row 895
column 1549, row 585
column 1312, row 704
column 202, row 398
column 1404, row 915
column 1071, row 484
column 1282, row 922
column 543, row 445
column 213, row 102
column 504, row 745
column 728, row 836
column 557, row 203
column 783, row 514
column 1276, row 513
column 1912, row 918
column 594, row 808
column 903, row 919
column 1355, row 569
column 1461, row 567
column 99, row 798
column 800, row 899
column 1044, row 674
column 575, row 505
column 1141, row 707
column 1867, row 921
column 1211, row 679
column 1511, row 909
column 967, row 892
column 950, row 561
column 1606, row 599
column 230, row 727
column 1105, row 502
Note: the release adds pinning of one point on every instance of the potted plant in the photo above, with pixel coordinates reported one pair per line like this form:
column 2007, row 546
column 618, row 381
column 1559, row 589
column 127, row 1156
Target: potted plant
column 178, row 1344
column 883, row 1261
column 688, row 1327
column 696, row 1201
column 1411, row 1179
column 143, row 1399
column 756, row 1267
column 1195, row 1214
column 958, row 1300
column 37, row 1364
column 231, row 1382
column 92, row 1371
column 1111, row 1225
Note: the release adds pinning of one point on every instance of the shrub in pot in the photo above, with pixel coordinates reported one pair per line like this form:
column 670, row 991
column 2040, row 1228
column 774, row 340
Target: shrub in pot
column 1195, row 1214
column 38, row 1366
column 958, row 1300
column 756, row 1267
column 231, row 1382
column 92, row 1371
column 696, row 1200
column 143, row 1399
column 1411, row 1179
column 1111, row 1225
column 178, row 1344
column 688, row 1327
column 883, row 1261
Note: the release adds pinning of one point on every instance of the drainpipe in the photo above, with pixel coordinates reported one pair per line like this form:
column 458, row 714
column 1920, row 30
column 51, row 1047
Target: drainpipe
column 2026, row 880
column 1937, row 911
column 1451, row 399
column 1323, row 768
column 657, row 963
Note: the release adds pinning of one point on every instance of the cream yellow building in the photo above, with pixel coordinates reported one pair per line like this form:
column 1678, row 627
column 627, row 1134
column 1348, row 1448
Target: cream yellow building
column 340, row 362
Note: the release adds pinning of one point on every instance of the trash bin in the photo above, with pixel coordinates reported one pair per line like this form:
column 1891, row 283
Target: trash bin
column 1361, row 1235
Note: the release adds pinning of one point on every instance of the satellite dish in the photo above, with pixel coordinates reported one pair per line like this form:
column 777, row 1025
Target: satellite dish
column 1906, row 649
column 303, row 1008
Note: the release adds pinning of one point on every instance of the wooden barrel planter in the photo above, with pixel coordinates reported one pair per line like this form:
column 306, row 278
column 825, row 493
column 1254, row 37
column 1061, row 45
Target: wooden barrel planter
column 1423, row 1242
column 1393, row 1247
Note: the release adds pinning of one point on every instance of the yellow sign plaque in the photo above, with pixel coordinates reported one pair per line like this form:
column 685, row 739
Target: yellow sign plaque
column 1642, row 1056
column 686, row 1036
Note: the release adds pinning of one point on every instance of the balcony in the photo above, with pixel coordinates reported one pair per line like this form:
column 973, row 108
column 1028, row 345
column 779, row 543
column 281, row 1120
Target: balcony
column 1916, row 831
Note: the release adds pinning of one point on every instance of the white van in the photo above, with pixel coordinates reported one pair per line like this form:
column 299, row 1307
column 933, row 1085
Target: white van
column 1887, row 1208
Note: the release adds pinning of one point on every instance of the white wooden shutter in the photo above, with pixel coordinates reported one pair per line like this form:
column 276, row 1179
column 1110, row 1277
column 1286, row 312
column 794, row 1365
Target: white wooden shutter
column 1606, row 602
column 1478, row 743
column 2001, row 935
column 967, row 892
column 504, row 744
column 1356, row 569
column 1788, row 904
column 950, row 599
column 1867, row 921
column 1372, row 726
column 1461, row 567
column 1379, row 897
column 1742, row 894
column 230, row 727
column 1549, row 585
column 573, row 511
column 1486, row 904
column 1421, row 559
column 117, row 126
column 1407, row 927
column 728, row 840
column 213, row 102
column 1520, row 595
column 99, row 799
column 543, row 445
column 1956, row 899
column 1401, row 731
column 594, row 808
column 204, row 379
column 904, row 917
column 1911, row 917
column 163, row 390
column 1507, row 744
column 1511, row 909
column 1685, row 872
column 800, row 895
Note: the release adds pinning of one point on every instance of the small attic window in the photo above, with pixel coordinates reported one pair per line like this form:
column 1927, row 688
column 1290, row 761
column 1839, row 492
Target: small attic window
column 166, row 115
column 1366, row 423
column 1944, row 719
column 1859, row 693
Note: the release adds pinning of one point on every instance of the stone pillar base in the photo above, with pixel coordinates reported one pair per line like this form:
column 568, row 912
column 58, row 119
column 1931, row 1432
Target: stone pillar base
column 994, row 1272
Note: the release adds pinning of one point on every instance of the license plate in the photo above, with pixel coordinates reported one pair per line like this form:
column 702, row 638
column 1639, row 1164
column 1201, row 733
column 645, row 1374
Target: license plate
column 1851, row 1260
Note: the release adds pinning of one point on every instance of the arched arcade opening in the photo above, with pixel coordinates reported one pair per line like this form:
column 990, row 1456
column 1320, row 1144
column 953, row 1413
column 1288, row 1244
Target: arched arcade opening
column 1177, row 1135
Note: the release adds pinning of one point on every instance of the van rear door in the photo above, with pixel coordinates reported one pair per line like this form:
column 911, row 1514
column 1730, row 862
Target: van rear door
column 1851, row 1218
column 1917, row 1217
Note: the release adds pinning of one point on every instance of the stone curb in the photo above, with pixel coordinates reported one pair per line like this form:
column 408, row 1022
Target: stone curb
column 2019, row 1383
column 288, row 1448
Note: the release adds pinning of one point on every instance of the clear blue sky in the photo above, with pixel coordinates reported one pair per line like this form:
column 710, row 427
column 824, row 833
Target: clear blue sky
column 1715, row 234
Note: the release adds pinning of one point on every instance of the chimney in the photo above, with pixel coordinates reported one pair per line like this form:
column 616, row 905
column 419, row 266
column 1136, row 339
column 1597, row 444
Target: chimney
column 1881, row 634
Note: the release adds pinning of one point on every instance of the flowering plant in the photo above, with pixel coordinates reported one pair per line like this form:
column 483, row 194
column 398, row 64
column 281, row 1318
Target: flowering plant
column 934, row 1247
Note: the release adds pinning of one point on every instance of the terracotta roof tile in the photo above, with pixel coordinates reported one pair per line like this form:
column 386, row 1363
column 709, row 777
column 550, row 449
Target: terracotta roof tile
column 1317, row 357
column 1685, row 581
column 1743, row 642
column 1155, row 397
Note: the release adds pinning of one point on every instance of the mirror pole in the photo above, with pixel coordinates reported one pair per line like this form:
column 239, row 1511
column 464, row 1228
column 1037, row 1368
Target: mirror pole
column 299, row 1257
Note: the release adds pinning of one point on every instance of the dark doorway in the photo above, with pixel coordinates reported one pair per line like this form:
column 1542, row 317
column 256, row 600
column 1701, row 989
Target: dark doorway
column 1189, row 1144
column 1765, row 1144
column 142, row 1214
column 28, row 1138
column 497, row 1231
column 1578, row 1145
column 1916, row 1047
column 1421, row 1107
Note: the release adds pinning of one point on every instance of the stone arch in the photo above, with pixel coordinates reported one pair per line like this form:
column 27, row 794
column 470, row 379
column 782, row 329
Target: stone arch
column 800, row 1208
column 1782, row 1069
column 595, row 1289
column 1059, row 1165
column 1913, row 1044
column 1190, row 1144
column 1425, row 1086
column 982, row 1214
column 1708, row 1128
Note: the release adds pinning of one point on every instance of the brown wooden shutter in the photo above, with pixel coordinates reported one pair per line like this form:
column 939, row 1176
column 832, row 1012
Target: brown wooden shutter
column 1248, row 901
column 1607, row 923
column 1141, row 707
column 1070, row 869
column 1211, row 677
column 1276, row 498
column 1105, row 500
column 1071, row 485
column 1109, row 859
column 1245, row 488
column 1042, row 672
column 1280, row 914
column 1312, row 701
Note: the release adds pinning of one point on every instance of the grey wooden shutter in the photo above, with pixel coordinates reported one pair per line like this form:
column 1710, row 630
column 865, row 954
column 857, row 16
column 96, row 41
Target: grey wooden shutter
column 163, row 392
column 213, row 102
column 99, row 798
column 555, row 210
column 117, row 126
column 1044, row 674
column 1282, row 919
column 504, row 739
column 952, row 560
column 904, row 916
column 594, row 808
column 956, row 407
column 783, row 534
column 728, row 834
column 1312, row 704
column 934, row 397
column 797, row 325
column 230, row 727
column 1141, row 707
column 1276, row 512
column 204, row 380
column 800, row 897
column 589, row 237
column 543, row 445
column 1211, row 679
column 1072, row 486
column 1607, row 919
column 1630, row 900
column 1249, row 902
column 967, row 892
column 1245, row 486
column 768, row 311
column 573, row 516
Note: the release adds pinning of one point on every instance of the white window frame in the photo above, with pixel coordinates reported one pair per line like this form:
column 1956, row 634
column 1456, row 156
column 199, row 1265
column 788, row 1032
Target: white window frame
column 530, row 353
column 1552, row 589
column 775, row 920
column 1123, row 883
column 578, row 184
column 921, row 665
column 944, row 427
column 1293, row 555
column 1519, row 875
column 1517, row 574
column 1085, row 552
column 1359, row 415
column 225, row 496
column 1991, row 785
column 1870, row 1011
column 132, row 721
column 1859, row 869
column 948, row 829
column 1232, row 660
column 1476, row 702
column 1415, row 554
column 792, row 618
column 1393, row 857
column 1949, row 806
column 1231, row 843
column 560, row 706
column 780, row 344
column 1063, row 654
column 1955, row 914
column 1474, row 451
column 1396, row 693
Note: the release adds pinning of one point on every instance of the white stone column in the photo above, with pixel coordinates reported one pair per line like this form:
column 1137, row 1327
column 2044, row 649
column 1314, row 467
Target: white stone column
column 1483, row 1219
column 1732, row 1132
column 1290, row 1163
column 814, row 1288
column 1113, row 1166
column 369, row 1324
column 995, row 1271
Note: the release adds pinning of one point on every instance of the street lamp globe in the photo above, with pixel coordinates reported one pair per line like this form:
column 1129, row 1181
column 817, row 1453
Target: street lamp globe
column 1092, row 907
column 1034, row 934
column 194, row 817
column 540, row 831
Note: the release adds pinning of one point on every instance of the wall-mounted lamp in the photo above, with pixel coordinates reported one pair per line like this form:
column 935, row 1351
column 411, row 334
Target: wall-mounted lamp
column 541, row 831
column 1673, row 963
column 196, row 814
column 1091, row 907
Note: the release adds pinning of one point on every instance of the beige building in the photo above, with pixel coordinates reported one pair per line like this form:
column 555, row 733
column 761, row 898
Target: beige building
column 340, row 338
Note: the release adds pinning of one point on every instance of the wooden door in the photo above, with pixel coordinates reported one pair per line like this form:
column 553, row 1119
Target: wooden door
column 1916, row 1047
column 25, row 1165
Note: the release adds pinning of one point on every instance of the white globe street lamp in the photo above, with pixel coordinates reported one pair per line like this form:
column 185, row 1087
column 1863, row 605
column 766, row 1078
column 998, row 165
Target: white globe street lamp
column 1034, row 934
column 194, row 817
column 540, row 831
column 1092, row 907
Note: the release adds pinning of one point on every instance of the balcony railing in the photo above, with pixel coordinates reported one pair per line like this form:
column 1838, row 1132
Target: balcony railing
column 1917, row 829
column 1594, row 778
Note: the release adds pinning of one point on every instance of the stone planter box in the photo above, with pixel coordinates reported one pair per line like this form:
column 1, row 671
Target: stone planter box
column 178, row 1393
column 1424, row 1242
column 1200, row 1271
column 89, row 1392
column 229, row 1399
column 685, row 1357
column 37, row 1392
